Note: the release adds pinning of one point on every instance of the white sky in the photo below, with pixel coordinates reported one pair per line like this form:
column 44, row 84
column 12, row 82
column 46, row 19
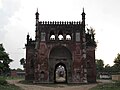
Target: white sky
column 17, row 18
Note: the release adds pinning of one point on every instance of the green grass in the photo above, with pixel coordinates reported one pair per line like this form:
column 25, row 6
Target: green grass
column 110, row 86
column 11, row 78
column 26, row 82
column 14, row 78
column 5, row 86
column 9, row 87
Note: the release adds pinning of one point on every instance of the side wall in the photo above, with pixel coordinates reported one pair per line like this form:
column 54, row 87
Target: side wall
column 41, row 64
column 78, row 64
column 91, row 65
column 29, row 67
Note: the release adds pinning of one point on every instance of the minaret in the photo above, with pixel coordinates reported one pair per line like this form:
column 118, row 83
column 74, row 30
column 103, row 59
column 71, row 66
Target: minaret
column 37, row 21
column 37, row 29
column 84, row 45
column 37, row 17
column 83, row 19
column 83, row 25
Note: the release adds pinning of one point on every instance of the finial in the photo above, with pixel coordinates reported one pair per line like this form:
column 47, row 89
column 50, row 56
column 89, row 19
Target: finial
column 37, row 15
column 83, row 13
column 83, row 9
column 37, row 9
column 37, row 12
column 28, row 33
column 28, row 37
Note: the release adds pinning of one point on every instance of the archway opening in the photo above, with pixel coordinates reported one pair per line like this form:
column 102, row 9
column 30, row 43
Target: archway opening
column 60, row 73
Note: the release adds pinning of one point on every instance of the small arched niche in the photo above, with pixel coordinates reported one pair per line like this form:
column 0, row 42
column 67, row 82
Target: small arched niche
column 42, row 75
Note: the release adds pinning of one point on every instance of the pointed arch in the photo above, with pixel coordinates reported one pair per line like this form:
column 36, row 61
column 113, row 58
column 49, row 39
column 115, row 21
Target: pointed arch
column 60, row 73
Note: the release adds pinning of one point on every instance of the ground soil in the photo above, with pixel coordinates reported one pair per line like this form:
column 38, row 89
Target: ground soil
column 56, row 86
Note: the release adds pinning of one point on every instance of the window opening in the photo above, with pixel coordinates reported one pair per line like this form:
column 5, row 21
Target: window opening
column 52, row 35
column 60, row 35
column 68, row 37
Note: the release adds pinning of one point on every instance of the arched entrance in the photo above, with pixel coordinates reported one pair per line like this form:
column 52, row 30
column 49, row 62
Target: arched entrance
column 60, row 73
column 59, row 64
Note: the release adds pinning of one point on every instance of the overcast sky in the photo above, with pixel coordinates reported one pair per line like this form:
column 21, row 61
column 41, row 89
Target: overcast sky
column 17, row 18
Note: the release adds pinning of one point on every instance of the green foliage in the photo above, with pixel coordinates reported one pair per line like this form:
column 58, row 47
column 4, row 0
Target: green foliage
column 117, row 59
column 5, row 86
column 3, row 81
column 99, row 65
column 116, row 66
column 111, row 70
column 107, row 68
column 4, row 61
column 19, row 70
column 22, row 62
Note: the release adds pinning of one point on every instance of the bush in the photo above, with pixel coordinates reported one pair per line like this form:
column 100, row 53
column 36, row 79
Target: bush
column 3, row 81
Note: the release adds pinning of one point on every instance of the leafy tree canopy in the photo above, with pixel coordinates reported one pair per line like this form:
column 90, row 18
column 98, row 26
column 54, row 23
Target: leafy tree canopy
column 99, row 65
column 22, row 62
column 116, row 65
column 117, row 59
column 4, row 61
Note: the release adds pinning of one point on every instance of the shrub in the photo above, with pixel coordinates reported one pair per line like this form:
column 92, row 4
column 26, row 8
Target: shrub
column 3, row 81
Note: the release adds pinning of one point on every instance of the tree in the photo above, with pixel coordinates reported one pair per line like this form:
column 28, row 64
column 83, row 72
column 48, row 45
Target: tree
column 116, row 65
column 99, row 65
column 4, row 61
column 22, row 62
column 19, row 69
column 108, row 68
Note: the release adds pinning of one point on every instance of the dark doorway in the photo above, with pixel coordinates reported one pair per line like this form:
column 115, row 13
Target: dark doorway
column 60, row 73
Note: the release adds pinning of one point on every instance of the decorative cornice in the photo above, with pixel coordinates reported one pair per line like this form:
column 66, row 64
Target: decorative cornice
column 60, row 22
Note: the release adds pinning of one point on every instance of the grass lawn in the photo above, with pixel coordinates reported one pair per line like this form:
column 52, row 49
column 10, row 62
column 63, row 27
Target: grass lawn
column 9, row 87
column 110, row 86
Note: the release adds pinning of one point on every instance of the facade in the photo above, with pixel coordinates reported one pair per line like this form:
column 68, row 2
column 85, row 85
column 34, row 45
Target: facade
column 61, row 44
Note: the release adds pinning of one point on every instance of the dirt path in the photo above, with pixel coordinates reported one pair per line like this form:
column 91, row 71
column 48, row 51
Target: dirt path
column 56, row 87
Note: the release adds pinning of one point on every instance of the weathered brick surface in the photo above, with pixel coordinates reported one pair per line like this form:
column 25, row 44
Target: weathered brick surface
column 44, row 54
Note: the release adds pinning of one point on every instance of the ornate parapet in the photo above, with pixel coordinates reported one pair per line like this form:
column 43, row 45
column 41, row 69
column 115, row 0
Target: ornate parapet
column 60, row 22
